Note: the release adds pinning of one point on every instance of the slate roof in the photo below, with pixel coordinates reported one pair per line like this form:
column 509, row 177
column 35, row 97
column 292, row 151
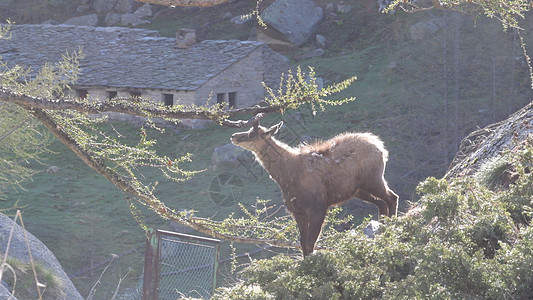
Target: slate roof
column 124, row 57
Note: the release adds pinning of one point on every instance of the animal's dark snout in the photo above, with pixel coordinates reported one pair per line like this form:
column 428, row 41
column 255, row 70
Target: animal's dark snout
column 237, row 137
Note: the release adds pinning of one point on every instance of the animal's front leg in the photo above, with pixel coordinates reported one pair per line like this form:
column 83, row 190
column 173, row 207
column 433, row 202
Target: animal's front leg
column 316, row 220
column 303, row 226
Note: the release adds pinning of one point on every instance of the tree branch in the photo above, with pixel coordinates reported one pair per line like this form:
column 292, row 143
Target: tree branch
column 186, row 3
column 151, row 201
column 131, row 106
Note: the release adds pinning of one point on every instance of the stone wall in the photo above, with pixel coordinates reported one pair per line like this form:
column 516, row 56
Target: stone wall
column 244, row 77
column 180, row 97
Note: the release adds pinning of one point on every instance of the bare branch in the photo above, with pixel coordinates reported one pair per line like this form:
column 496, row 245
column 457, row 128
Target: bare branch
column 132, row 107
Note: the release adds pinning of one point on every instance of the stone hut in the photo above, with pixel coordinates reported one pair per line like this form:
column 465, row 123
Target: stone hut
column 124, row 62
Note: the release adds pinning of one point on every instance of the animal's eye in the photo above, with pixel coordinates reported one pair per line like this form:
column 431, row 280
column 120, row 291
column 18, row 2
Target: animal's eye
column 252, row 134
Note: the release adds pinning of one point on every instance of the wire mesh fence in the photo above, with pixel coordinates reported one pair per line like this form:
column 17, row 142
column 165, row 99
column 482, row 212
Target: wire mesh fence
column 179, row 265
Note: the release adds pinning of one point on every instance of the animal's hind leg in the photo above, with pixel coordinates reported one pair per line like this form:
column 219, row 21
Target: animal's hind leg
column 382, row 191
column 383, row 207
column 393, row 202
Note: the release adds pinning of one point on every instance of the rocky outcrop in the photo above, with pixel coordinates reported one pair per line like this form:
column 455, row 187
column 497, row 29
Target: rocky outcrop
column 138, row 17
column 40, row 253
column 295, row 20
column 88, row 20
column 487, row 143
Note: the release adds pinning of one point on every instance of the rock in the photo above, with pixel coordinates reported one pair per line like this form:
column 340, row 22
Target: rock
column 296, row 20
column 52, row 170
column 124, row 6
column 87, row 20
column 83, row 8
column 103, row 6
column 230, row 157
column 314, row 53
column 330, row 7
column 144, row 11
column 372, row 229
column 425, row 29
column 132, row 20
column 136, row 18
column 486, row 144
column 242, row 19
column 275, row 41
column 343, row 8
column 112, row 19
column 39, row 251
column 321, row 40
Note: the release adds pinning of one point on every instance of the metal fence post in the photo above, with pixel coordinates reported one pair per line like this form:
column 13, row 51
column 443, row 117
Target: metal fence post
column 148, row 277
column 217, row 258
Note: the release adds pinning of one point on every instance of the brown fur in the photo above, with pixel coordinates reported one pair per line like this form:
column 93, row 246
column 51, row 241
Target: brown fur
column 314, row 177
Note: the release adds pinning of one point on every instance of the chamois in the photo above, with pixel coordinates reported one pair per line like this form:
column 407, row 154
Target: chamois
column 316, row 176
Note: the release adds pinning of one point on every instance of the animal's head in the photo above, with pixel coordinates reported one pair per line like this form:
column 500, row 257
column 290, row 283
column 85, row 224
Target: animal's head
column 256, row 138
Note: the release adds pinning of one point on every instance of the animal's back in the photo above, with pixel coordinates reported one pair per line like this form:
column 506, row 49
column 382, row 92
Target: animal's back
column 350, row 144
column 345, row 163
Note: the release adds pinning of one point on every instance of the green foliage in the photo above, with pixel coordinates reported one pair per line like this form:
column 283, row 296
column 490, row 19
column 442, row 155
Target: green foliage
column 298, row 87
column 466, row 242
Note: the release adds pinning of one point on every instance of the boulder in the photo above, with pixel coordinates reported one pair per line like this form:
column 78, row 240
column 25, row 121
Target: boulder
column 124, row 6
column 274, row 40
column 40, row 253
column 132, row 20
column 230, row 157
column 138, row 17
column 144, row 11
column 87, row 20
column 83, row 8
column 112, row 19
column 103, row 6
column 372, row 229
column 296, row 20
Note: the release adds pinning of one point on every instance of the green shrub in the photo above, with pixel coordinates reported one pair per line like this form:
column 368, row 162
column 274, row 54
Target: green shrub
column 469, row 241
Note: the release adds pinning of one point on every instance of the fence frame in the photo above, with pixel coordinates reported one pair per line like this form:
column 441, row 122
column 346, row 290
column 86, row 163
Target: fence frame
column 152, row 256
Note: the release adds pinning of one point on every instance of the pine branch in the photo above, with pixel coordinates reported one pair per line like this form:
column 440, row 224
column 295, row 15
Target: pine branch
column 147, row 199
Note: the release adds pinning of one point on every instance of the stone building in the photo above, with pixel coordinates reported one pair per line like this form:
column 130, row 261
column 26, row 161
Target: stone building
column 137, row 62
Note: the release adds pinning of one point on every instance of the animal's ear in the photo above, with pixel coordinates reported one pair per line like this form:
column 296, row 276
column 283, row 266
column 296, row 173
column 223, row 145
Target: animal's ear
column 255, row 124
column 274, row 128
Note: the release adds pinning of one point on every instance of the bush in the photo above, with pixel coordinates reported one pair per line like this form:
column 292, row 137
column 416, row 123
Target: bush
column 468, row 242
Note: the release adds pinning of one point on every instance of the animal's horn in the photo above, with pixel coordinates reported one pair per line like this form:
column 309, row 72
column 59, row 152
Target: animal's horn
column 256, row 119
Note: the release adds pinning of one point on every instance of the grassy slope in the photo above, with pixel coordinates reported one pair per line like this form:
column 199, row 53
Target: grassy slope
column 77, row 213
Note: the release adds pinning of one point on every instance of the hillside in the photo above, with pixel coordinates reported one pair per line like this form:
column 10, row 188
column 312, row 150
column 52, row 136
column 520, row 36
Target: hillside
column 420, row 95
